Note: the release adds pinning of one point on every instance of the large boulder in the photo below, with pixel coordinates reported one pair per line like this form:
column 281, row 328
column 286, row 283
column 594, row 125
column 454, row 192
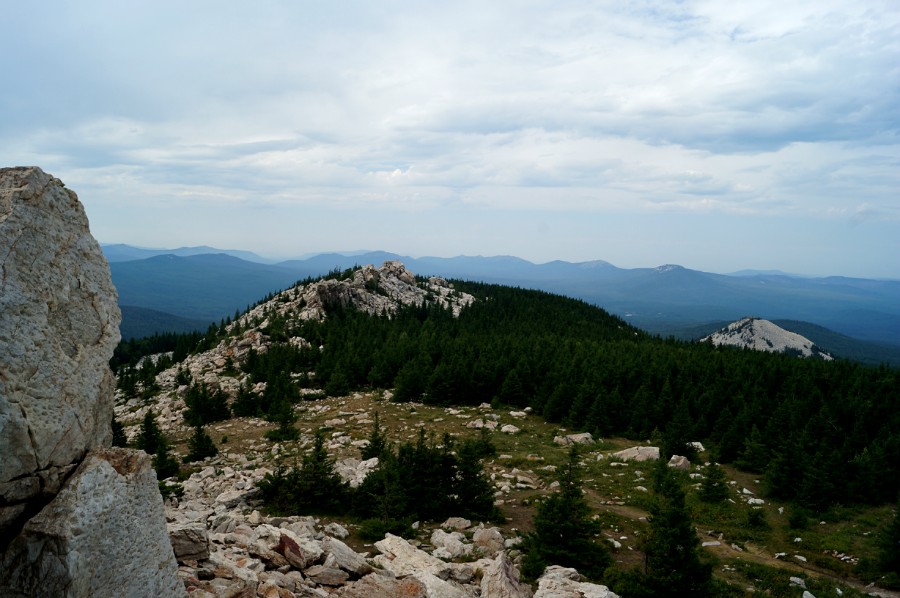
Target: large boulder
column 103, row 535
column 501, row 580
column 76, row 519
column 562, row 582
column 59, row 324
column 638, row 453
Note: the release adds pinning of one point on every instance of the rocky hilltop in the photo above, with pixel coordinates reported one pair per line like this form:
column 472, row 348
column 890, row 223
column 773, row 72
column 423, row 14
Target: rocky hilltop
column 377, row 291
column 227, row 546
column 76, row 518
column 763, row 335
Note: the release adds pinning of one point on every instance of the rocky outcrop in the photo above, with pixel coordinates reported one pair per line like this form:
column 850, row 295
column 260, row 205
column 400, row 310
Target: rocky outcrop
column 59, row 324
column 763, row 335
column 76, row 519
column 563, row 582
column 97, row 537
column 638, row 453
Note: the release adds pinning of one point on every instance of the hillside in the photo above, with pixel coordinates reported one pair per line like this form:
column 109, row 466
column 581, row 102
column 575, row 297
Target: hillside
column 665, row 300
column 451, row 354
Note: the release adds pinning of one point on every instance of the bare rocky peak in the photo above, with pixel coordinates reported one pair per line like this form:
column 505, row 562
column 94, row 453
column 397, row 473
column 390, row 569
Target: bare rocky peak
column 376, row 291
column 763, row 335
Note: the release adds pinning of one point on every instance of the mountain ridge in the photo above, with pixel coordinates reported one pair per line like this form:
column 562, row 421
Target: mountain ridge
column 659, row 299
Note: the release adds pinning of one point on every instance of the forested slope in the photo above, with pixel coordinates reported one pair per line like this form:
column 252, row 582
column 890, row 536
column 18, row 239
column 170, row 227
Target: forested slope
column 823, row 433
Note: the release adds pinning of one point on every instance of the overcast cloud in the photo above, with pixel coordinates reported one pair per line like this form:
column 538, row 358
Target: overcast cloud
column 713, row 134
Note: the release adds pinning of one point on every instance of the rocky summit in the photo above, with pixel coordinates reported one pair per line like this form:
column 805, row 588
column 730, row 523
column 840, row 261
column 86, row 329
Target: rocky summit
column 763, row 335
column 76, row 519
column 377, row 291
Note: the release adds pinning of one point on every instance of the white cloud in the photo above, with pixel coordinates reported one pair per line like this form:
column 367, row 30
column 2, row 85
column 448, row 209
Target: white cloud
column 696, row 107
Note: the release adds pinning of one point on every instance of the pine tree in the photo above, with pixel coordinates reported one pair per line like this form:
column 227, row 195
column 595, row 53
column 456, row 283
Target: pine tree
column 200, row 446
column 164, row 463
column 889, row 545
column 150, row 438
column 564, row 532
column 205, row 406
column 714, row 487
column 672, row 551
column 321, row 488
column 118, row 433
column 474, row 492
column 377, row 441
column 677, row 437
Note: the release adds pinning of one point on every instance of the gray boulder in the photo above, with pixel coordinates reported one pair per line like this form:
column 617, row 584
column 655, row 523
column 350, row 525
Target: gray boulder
column 59, row 324
column 103, row 535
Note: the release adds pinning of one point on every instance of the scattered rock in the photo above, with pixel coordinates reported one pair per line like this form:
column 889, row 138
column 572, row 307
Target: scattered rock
column 679, row 462
column 190, row 541
column 583, row 438
column 501, row 580
column 638, row 453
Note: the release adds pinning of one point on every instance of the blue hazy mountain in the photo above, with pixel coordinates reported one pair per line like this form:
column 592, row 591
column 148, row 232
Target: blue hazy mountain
column 118, row 252
column 668, row 299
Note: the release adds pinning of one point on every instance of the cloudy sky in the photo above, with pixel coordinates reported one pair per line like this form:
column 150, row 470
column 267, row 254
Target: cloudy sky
column 717, row 135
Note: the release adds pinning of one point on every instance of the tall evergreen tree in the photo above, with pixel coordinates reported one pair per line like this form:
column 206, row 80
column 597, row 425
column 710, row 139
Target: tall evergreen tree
column 118, row 433
column 472, row 489
column 564, row 532
column 377, row 441
column 889, row 545
column 150, row 438
column 672, row 551
column 714, row 487
column 200, row 446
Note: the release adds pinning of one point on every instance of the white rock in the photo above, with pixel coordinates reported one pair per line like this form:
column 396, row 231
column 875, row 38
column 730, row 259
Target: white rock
column 638, row 453
column 452, row 543
column 104, row 534
column 59, row 323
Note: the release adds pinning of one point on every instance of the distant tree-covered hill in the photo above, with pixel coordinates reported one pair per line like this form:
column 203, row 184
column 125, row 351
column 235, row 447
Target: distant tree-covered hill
column 820, row 433
column 138, row 322
column 664, row 300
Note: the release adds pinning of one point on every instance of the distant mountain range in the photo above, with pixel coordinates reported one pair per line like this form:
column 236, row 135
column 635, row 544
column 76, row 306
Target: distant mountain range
column 207, row 284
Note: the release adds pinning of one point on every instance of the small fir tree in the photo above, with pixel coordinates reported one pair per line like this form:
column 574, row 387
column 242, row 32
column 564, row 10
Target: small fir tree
column 165, row 464
column 150, row 438
column 672, row 551
column 205, row 406
column 889, row 545
column 321, row 488
column 200, row 446
column 118, row 434
column 377, row 441
column 714, row 487
column 564, row 532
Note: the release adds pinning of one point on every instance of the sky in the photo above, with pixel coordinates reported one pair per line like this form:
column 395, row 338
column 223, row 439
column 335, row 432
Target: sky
column 717, row 135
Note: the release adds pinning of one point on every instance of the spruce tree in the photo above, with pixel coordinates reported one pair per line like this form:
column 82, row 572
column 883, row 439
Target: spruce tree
column 672, row 551
column 118, row 433
column 200, row 446
column 150, row 438
column 714, row 487
column 165, row 464
column 205, row 406
column 473, row 491
column 889, row 545
column 564, row 532
column 320, row 487
column 377, row 441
